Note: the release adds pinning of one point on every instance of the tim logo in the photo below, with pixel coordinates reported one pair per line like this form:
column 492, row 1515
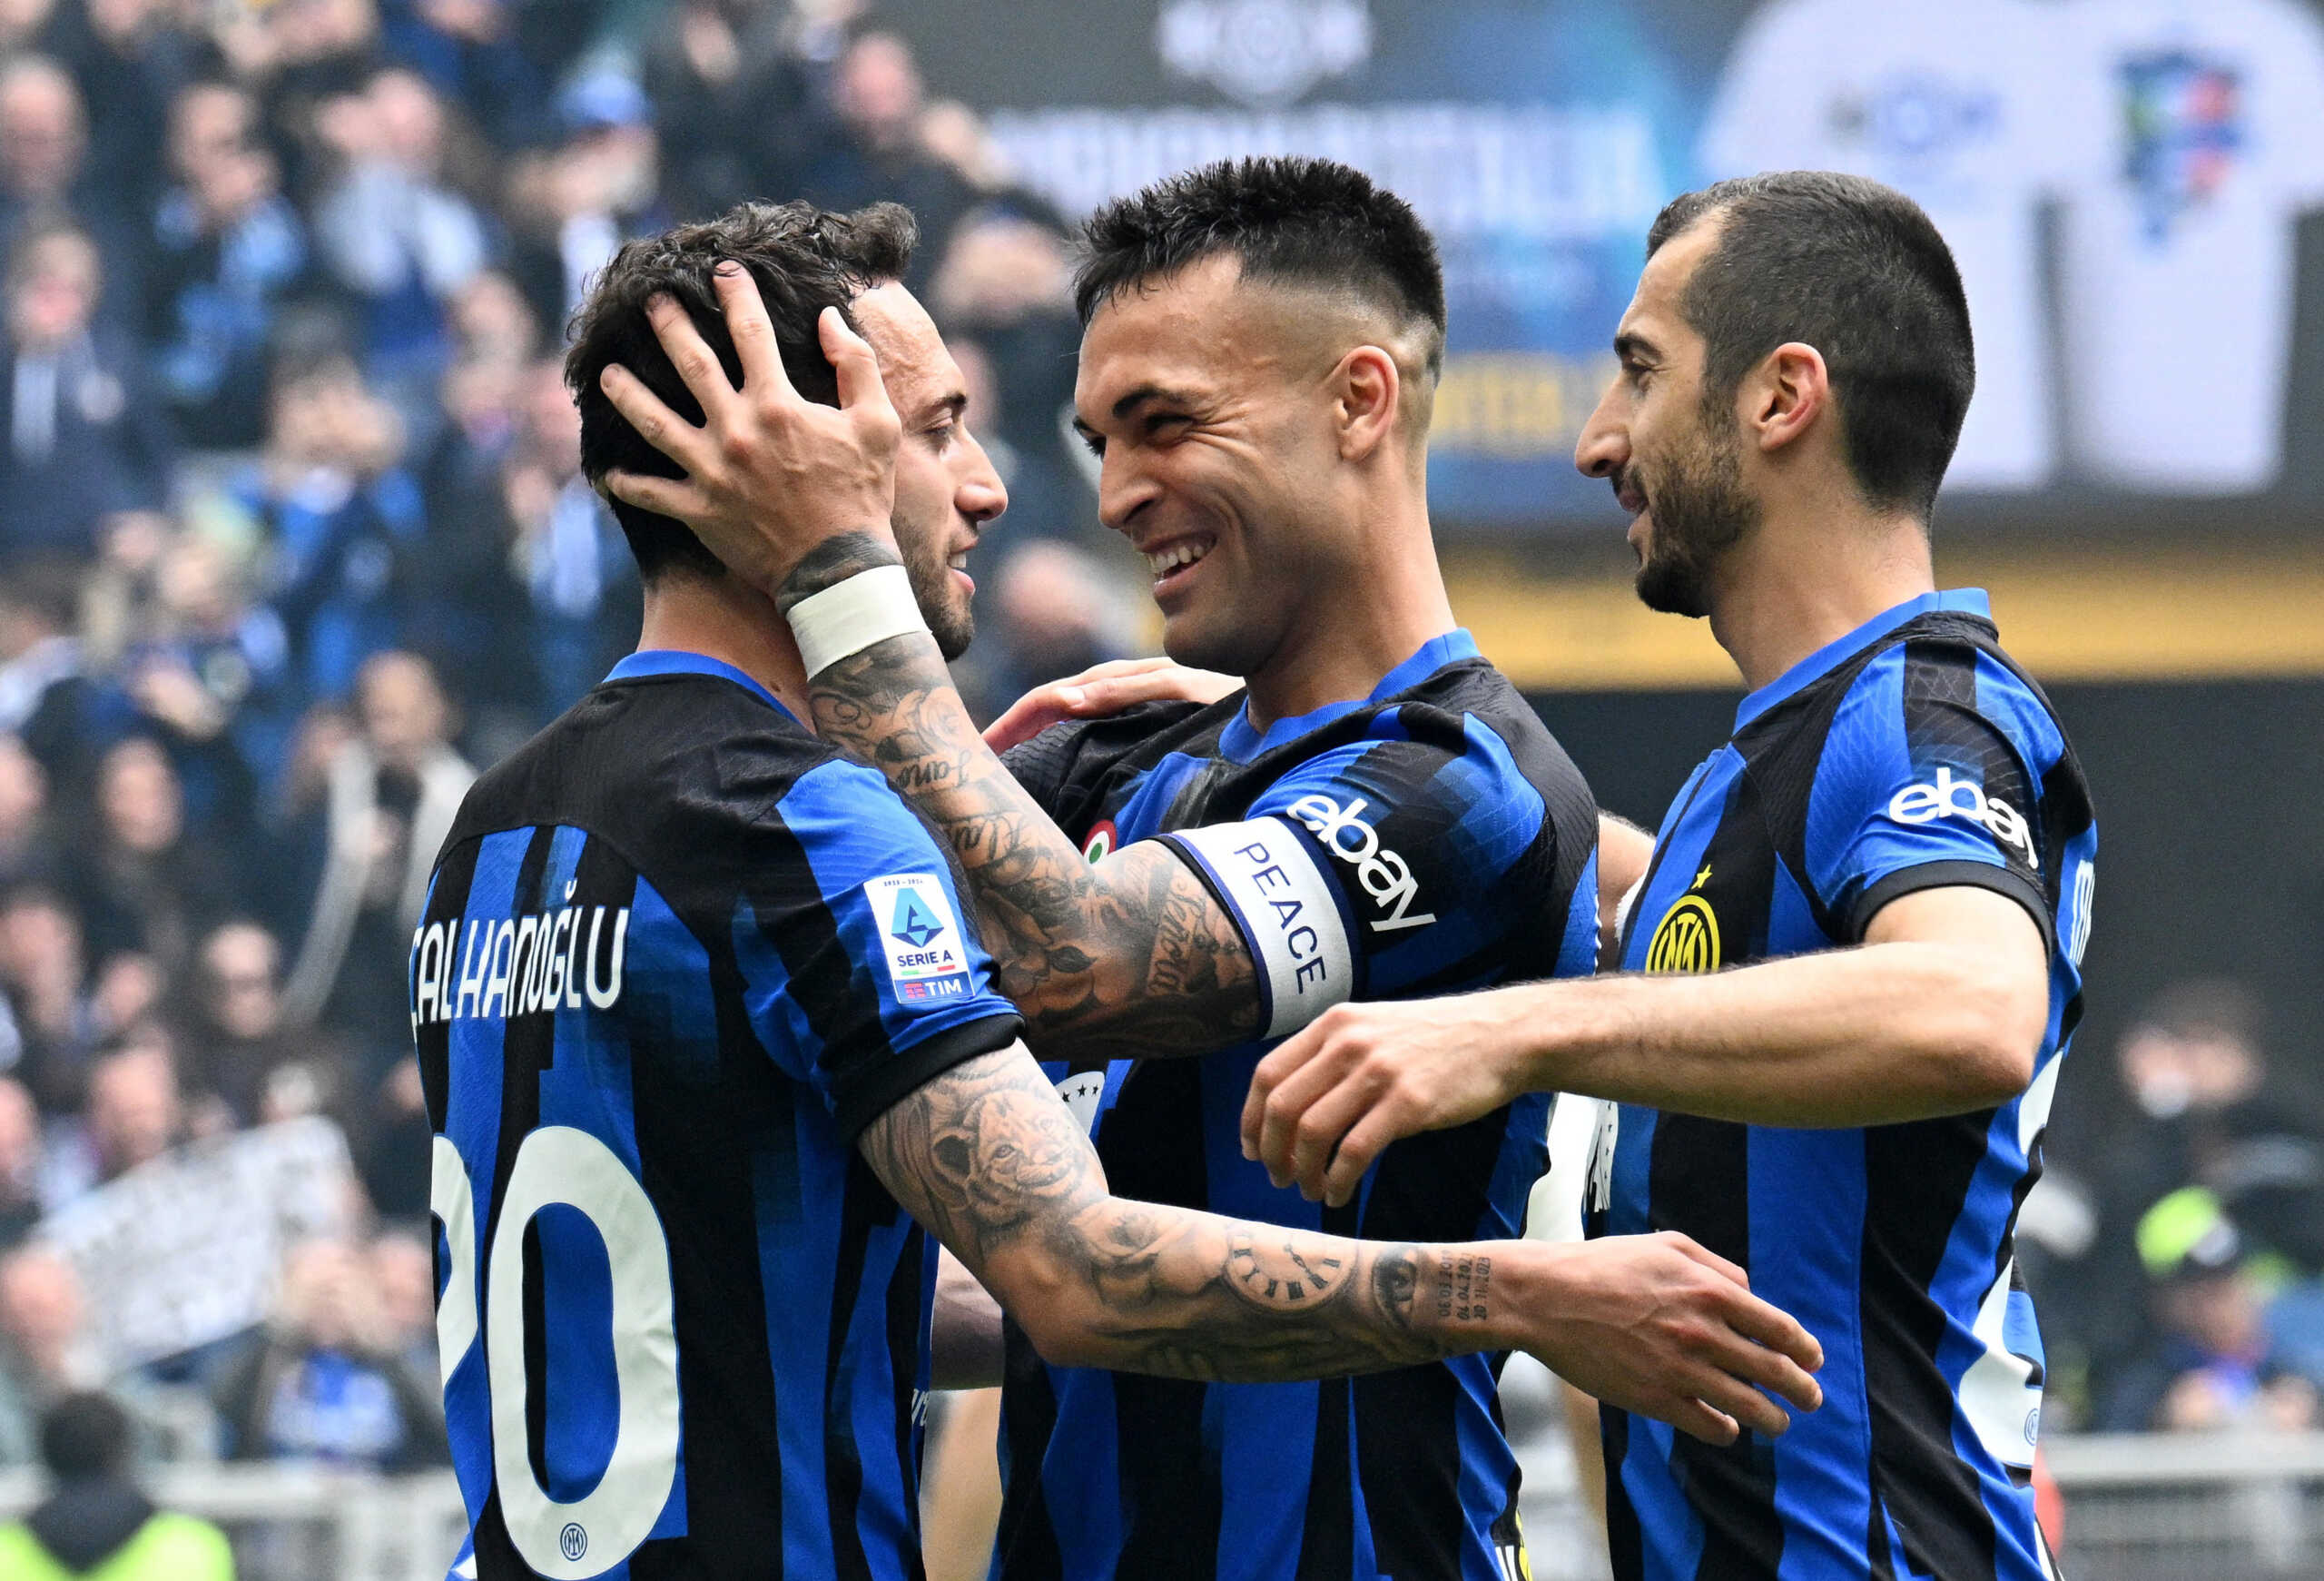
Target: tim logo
column 925, row 955
column 2183, row 128
column 1687, row 938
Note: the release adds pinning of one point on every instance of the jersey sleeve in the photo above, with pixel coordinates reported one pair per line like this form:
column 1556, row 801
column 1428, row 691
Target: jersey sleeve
column 858, row 950
column 1377, row 866
column 1931, row 777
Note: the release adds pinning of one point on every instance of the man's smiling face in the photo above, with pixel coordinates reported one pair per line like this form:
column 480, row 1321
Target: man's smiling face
column 1673, row 456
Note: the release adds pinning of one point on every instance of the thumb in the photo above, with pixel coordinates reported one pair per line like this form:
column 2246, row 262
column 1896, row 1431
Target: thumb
column 856, row 363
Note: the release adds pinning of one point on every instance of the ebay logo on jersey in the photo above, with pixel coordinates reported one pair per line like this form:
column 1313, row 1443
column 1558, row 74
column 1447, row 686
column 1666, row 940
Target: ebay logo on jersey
column 1949, row 797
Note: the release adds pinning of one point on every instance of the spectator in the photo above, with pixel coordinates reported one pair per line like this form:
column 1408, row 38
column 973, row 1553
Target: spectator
column 325, row 1383
column 20, row 1164
column 94, row 1520
column 46, row 699
column 470, row 53
column 582, row 583
column 392, row 795
column 44, row 1352
column 25, row 841
column 130, row 58
column 2212, row 1365
column 1056, row 617
column 42, row 975
column 237, row 1045
column 343, row 516
column 227, row 249
column 134, row 1111
column 86, row 438
column 878, row 96
column 44, row 146
column 396, row 234
column 739, row 110
column 403, row 1270
column 213, row 681
column 144, row 881
column 599, row 188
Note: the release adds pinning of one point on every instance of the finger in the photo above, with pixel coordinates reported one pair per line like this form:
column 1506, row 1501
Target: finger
column 656, row 423
column 1748, row 1406
column 688, row 352
column 753, row 333
column 1318, row 1132
column 1359, row 1148
column 1287, row 1057
column 663, row 496
column 1776, row 1329
column 857, row 365
column 1698, row 1420
column 1116, row 666
column 1293, row 1097
column 1710, row 1259
column 1027, row 718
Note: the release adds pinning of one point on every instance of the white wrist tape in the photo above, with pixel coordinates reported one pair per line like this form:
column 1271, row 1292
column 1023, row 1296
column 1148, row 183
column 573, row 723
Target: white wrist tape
column 849, row 616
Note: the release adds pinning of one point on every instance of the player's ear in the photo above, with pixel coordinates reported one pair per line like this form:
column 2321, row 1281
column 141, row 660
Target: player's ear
column 1366, row 390
column 1782, row 397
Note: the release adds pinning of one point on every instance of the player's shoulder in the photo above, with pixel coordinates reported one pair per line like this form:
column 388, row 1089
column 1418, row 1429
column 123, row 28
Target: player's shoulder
column 658, row 764
column 1469, row 713
column 1942, row 679
column 1079, row 754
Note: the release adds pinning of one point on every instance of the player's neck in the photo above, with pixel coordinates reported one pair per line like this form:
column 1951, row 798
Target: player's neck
column 1795, row 587
column 725, row 618
column 1355, row 631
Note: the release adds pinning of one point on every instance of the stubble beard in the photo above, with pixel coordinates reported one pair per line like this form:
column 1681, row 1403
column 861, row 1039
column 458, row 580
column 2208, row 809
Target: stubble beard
column 1701, row 511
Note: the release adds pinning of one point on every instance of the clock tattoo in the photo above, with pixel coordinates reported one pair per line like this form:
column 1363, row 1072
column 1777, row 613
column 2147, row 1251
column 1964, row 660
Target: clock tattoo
column 1280, row 1275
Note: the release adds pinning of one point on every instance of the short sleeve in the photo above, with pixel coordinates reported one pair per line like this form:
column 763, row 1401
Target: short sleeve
column 1929, row 778
column 1376, row 867
column 856, row 949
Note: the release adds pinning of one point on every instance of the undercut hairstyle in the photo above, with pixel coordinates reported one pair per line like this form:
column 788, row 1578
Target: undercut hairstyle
column 1295, row 221
column 804, row 259
column 1855, row 269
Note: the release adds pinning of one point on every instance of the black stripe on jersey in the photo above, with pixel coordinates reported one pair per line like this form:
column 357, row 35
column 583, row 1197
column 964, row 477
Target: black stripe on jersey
column 1698, row 1175
column 865, row 1207
column 1625, row 1541
column 707, row 1177
column 1407, row 1421
column 1159, row 1420
column 1916, row 1177
column 1327, row 1541
column 906, row 1290
column 1028, row 1541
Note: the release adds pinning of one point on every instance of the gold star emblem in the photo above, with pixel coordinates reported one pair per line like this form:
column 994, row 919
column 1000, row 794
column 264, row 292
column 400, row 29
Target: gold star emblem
column 1703, row 878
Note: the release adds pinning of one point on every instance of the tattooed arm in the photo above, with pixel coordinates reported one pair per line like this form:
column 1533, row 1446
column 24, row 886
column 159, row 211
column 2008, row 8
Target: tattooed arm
column 994, row 1165
column 1130, row 956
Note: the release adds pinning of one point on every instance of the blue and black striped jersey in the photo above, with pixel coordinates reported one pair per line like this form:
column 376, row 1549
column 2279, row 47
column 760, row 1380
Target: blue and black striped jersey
column 1429, row 838
column 676, row 954
column 1910, row 755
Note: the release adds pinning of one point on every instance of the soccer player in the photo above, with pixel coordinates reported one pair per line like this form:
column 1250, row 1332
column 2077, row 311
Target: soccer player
column 1379, row 813
column 707, row 1035
column 1856, row 954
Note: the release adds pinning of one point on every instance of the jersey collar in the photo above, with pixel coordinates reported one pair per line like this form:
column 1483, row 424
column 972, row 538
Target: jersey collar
column 678, row 661
column 1832, row 655
column 1241, row 740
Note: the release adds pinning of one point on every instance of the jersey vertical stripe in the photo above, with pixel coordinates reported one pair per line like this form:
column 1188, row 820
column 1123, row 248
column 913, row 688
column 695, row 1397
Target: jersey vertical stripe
column 653, row 1001
column 1911, row 755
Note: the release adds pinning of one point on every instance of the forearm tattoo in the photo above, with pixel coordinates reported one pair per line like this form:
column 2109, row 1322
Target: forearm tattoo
column 832, row 562
column 1131, row 959
column 988, row 1159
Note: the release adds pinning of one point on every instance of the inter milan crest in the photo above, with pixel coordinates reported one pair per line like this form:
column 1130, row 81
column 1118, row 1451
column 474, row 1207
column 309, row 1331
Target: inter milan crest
column 1687, row 938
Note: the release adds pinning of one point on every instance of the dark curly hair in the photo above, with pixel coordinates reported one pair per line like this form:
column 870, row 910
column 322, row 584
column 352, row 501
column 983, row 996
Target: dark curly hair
column 1299, row 220
column 805, row 259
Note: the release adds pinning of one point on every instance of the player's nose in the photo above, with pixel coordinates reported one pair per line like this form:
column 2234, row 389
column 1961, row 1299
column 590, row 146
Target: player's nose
column 1122, row 489
column 1604, row 446
column 981, row 495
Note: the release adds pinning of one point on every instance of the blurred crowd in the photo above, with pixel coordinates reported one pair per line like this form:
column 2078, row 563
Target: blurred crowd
column 293, row 539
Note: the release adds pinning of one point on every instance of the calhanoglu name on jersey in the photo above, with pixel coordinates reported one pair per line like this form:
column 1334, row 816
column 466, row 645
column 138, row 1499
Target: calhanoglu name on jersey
column 506, row 966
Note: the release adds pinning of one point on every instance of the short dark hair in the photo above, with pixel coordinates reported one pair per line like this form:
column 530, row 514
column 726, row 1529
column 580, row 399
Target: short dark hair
column 805, row 259
column 1855, row 269
column 1298, row 221
column 84, row 1435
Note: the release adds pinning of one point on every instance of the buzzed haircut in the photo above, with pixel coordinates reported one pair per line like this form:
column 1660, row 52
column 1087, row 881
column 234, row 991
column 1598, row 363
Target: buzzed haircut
column 804, row 259
column 1296, row 220
column 1855, row 269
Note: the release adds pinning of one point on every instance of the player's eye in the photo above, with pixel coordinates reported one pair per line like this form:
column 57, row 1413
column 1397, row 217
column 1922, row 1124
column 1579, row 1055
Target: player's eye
column 940, row 435
column 1097, row 443
column 1165, row 425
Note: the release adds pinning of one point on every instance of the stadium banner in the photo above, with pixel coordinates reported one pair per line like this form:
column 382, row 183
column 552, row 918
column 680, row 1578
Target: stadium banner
column 2138, row 345
column 187, row 1250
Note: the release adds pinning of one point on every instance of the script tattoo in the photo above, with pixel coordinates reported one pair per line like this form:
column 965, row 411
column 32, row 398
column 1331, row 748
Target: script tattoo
column 988, row 1159
column 1131, row 959
column 832, row 562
